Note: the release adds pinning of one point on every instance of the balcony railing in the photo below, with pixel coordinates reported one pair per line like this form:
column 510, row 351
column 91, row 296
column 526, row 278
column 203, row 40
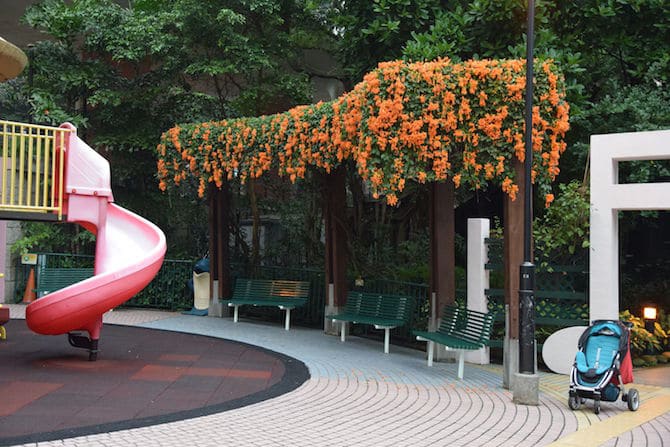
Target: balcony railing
column 32, row 176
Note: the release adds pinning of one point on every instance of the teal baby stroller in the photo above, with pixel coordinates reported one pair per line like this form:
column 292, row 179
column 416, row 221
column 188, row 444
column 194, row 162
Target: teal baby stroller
column 602, row 367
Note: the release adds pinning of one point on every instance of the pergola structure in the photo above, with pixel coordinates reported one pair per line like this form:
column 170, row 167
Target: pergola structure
column 450, row 125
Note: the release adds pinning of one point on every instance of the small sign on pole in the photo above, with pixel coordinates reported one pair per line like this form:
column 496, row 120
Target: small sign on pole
column 29, row 259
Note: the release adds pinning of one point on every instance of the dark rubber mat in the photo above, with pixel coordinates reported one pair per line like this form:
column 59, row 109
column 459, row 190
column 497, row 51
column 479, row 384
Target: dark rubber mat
column 49, row 390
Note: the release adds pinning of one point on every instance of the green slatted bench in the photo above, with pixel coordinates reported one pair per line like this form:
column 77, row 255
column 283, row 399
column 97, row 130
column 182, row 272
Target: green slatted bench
column 286, row 295
column 380, row 310
column 50, row 279
column 460, row 330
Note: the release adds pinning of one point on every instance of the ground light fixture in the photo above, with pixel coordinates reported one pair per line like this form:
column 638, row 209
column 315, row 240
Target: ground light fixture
column 649, row 314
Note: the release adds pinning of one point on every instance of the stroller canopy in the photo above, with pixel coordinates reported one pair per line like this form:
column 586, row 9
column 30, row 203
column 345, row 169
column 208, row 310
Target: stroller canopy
column 600, row 343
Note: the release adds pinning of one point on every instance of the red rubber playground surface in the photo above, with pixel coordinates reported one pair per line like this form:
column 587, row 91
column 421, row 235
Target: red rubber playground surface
column 49, row 390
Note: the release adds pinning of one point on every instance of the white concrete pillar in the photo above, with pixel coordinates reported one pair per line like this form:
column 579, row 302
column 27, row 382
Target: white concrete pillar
column 477, row 278
column 329, row 327
column 607, row 198
column 215, row 305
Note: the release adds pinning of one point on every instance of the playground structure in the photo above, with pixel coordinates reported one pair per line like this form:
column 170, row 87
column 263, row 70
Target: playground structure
column 50, row 174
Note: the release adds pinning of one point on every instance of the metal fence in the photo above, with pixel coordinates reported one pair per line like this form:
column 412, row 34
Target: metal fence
column 561, row 295
column 168, row 290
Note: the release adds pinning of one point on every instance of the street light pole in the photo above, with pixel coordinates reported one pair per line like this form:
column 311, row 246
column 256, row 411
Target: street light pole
column 526, row 382
column 527, row 269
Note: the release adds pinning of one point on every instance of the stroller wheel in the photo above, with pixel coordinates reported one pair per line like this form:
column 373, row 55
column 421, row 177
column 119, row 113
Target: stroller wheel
column 574, row 402
column 596, row 407
column 633, row 399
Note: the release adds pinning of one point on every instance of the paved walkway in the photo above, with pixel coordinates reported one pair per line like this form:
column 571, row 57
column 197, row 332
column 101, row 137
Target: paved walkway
column 357, row 396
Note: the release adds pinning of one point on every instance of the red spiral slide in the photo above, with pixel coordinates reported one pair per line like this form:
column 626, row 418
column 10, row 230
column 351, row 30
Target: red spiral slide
column 129, row 252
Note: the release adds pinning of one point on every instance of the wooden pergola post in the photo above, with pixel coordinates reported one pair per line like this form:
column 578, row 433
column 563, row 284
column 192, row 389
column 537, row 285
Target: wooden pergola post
column 512, row 259
column 442, row 248
column 334, row 213
column 219, row 255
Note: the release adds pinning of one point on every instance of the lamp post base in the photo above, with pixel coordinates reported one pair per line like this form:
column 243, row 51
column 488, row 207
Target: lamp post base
column 526, row 389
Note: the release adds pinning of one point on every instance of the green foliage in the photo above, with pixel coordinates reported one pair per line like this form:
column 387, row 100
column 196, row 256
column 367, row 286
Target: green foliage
column 14, row 104
column 375, row 31
column 123, row 74
column 563, row 230
column 45, row 237
column 641, row 340
column 293, row 236
column 467, row 29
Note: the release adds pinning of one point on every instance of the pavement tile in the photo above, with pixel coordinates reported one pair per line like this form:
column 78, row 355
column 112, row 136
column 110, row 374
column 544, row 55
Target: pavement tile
column 357, row 396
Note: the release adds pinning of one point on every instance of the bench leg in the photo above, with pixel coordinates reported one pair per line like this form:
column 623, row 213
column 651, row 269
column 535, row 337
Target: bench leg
column 235, row 314
column 461, row 359
column 387, row 336
column 431, row 352
column 287, row 322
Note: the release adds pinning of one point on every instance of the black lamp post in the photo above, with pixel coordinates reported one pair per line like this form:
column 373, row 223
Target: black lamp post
column 527, row 269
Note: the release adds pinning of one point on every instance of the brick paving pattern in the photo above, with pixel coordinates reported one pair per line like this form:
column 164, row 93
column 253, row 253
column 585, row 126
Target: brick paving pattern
column 358, row 396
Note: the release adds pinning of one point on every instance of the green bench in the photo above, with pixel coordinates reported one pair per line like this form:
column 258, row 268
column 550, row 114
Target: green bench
column 380, row 310
column 460, row 330
column 50, row 279
column 286, row 295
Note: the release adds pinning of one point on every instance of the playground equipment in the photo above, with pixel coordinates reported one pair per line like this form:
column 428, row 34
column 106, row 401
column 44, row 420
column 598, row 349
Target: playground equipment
column 50, row 174
column 12, row 60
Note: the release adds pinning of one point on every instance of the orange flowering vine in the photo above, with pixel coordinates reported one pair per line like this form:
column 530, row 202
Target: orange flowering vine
column 427, row 121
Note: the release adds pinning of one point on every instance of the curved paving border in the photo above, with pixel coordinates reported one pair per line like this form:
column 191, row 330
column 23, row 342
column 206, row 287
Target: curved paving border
column 358, row 396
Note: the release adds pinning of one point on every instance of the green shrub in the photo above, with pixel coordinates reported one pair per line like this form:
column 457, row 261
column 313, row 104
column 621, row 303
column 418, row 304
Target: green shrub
column 650, row 360
column 641, row 340
column 639, row 363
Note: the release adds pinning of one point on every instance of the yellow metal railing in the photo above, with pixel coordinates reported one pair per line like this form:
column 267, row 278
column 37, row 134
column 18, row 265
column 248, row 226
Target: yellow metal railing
column 33, row 160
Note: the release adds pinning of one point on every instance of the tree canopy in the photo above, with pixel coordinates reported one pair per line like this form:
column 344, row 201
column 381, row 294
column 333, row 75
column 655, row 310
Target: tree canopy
column 124, row 72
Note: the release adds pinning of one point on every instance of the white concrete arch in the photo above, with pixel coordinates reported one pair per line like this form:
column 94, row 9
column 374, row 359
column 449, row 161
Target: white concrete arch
column 608, row 197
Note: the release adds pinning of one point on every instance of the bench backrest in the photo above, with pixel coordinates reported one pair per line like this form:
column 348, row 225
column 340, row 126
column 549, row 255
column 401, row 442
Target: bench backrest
column 270, row 288
column 52, row 279
column 372, row 304
column 467, row 324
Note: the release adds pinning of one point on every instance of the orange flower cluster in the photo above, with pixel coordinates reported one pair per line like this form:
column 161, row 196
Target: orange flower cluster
column 429, row 121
